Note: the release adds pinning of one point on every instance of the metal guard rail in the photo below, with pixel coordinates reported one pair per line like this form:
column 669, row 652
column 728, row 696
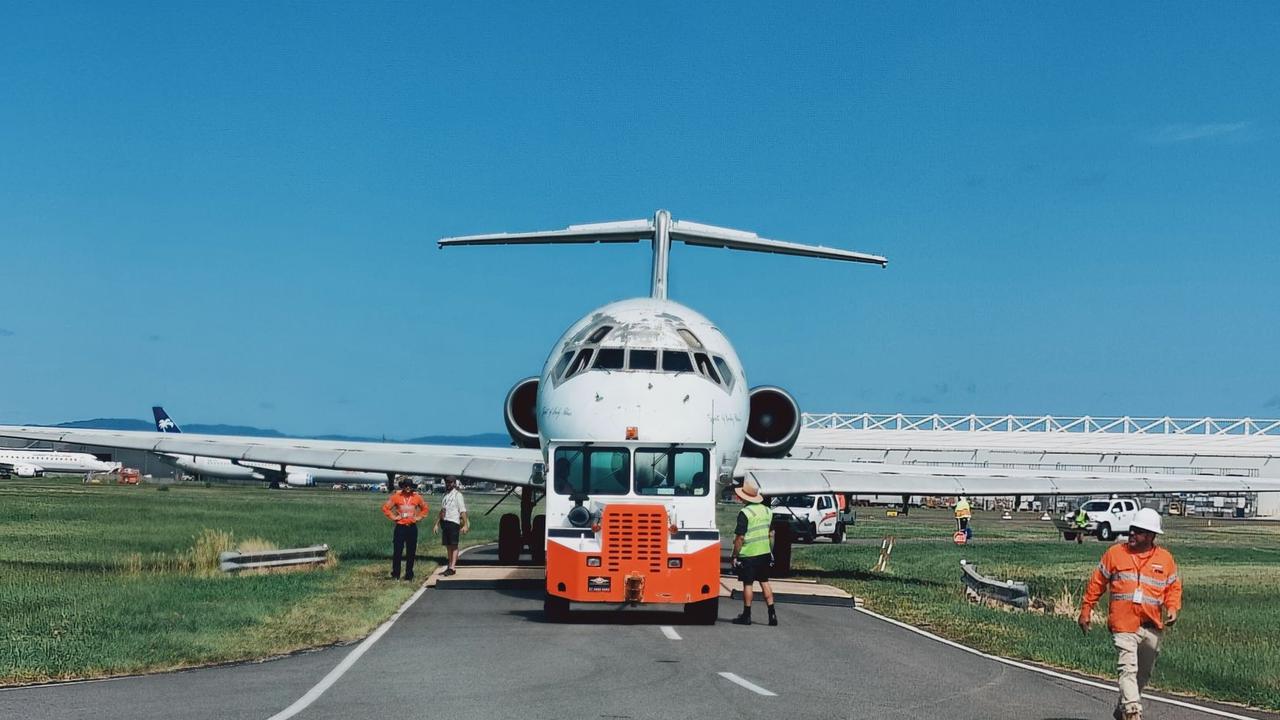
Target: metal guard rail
column 235, row 561
column 1010, row 593
column 1123, row 425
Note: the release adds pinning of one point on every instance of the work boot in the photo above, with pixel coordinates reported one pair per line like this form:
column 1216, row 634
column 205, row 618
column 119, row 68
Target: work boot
column 744, row 618
column 1133, row 712
column 773, row 617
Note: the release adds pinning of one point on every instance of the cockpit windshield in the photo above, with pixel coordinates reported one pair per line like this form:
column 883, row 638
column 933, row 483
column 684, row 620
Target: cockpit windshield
column 583, row 355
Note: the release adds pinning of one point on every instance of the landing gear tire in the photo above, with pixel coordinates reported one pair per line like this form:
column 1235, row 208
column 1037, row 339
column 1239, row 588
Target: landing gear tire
column 703, row 612
column 555, row 609
column 509, row 541
column 1105, row 534
column 837, row 537
column 537, row 540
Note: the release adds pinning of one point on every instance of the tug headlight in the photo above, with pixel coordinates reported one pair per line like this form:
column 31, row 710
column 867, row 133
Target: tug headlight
column 593, row 561
column 675, row 562
column 579, row 516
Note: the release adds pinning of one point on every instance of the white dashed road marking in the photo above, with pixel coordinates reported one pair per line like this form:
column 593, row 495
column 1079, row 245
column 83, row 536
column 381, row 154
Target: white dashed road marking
column 670, row 632
column 747, row 684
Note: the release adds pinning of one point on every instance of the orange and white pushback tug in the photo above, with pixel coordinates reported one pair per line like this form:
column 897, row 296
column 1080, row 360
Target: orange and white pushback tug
column 632, row 522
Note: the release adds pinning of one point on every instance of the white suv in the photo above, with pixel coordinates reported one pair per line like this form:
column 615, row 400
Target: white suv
column 1109, row 518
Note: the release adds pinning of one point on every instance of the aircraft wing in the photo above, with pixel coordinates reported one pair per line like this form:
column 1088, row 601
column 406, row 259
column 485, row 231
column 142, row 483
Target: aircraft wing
column 510, row 466
column 804, row 477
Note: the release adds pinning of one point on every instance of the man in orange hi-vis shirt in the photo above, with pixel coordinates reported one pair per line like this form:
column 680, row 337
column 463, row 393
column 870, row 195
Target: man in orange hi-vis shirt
column 405, row 507
column 1143, row 581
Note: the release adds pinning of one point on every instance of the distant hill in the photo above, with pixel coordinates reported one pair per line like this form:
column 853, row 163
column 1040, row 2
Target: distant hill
column 479, row 440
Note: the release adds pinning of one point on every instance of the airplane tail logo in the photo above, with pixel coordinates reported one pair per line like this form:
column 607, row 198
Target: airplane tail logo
column 164, row 423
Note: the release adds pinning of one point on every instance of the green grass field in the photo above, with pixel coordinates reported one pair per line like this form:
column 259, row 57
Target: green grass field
column 1225, row 646
column 103, row 580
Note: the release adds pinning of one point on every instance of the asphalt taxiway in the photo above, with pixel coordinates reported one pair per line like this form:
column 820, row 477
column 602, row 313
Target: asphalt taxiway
column 480, row 649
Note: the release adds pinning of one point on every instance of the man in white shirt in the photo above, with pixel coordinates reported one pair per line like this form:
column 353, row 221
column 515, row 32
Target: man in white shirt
column 453, row 520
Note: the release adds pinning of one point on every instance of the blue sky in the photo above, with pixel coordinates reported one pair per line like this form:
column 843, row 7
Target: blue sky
column 231, row 208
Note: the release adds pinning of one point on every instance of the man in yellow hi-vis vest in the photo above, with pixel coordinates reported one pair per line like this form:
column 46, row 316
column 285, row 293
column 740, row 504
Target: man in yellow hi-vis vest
column 963, row 512
column 752, row 549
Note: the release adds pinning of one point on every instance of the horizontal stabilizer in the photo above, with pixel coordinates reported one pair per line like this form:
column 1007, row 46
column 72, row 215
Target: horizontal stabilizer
column 685, row 231
column 625, row 231
column 712, row 236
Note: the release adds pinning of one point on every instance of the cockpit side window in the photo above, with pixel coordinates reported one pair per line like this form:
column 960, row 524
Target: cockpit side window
column 643, row 360
column 676, row 361
column 580, row 363
column 725, row 373
column 608, row 359
column 705, row 367
column 561, row 364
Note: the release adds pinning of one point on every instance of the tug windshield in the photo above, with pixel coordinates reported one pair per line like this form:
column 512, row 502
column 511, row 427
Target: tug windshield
column 592, row 471
column 671, row 471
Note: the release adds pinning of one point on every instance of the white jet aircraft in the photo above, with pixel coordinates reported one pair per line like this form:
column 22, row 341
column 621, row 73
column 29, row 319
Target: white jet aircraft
column 641, row 409
column 36, row 463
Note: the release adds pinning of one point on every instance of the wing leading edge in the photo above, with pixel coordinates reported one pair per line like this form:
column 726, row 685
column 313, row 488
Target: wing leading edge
column 510, row 466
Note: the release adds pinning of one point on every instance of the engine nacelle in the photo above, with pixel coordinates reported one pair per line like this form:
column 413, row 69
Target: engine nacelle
column 27, row 470
column 299, row 479
column 773, row 425
column 521, row 413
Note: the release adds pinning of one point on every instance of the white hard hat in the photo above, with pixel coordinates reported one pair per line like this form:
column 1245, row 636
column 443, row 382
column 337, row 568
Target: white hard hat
column 1147, row 519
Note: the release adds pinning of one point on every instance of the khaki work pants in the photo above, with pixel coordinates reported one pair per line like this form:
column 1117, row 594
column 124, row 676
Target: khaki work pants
column 1137, row 656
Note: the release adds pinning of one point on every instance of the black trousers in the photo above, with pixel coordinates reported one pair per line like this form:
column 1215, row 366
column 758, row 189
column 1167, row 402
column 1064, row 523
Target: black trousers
column 404, row 543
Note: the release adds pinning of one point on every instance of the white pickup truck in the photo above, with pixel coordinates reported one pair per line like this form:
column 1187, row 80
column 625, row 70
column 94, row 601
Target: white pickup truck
column 1109, row 518
column 814, row 516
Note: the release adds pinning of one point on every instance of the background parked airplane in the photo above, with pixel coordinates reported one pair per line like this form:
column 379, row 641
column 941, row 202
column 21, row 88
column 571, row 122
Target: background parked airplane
column 34, row 463
column 204, row 466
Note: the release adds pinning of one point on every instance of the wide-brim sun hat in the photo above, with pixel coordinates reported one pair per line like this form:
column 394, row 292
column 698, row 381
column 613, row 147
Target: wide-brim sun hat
column 749, row 491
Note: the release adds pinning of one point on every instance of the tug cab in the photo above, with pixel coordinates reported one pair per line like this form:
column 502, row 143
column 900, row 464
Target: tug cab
column 632, row 522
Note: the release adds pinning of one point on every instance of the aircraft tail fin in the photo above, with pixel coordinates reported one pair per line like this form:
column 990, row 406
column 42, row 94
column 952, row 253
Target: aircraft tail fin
column 164, row 423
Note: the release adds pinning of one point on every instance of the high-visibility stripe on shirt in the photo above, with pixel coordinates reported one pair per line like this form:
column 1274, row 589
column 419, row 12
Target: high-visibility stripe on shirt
column 1125, row 574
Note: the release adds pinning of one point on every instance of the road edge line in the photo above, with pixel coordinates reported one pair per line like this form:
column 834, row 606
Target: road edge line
column 1048, row 672
column 352, row 657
